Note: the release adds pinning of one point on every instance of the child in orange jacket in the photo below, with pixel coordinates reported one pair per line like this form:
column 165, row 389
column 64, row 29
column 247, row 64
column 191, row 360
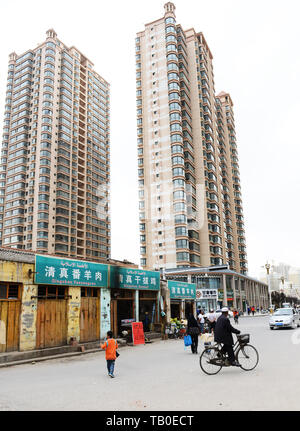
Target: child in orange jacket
column 110, row 346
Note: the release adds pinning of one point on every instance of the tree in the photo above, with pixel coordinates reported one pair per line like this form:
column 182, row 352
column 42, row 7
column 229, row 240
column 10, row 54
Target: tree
column 275, row 296
column 282, row 298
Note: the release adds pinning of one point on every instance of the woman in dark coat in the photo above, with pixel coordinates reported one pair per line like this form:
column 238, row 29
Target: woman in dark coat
column 193, row 331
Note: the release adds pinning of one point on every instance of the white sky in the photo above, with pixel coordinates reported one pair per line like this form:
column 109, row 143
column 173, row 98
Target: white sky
column 255, row 45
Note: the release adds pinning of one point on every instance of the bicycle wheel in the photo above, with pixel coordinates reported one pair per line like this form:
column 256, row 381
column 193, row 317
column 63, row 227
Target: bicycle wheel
column 248, row 357
column 209, row 361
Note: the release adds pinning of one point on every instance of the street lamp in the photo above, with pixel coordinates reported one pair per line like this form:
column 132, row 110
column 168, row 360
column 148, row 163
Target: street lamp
column 268, row 266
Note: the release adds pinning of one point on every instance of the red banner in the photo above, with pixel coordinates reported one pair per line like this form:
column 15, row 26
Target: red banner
column 138, row 333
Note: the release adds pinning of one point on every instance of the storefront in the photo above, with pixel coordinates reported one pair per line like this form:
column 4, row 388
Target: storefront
column 230, row 299
column 182, row 299
column 69, row 300
column 234, row 290
column 206, row 299
column 135, row 296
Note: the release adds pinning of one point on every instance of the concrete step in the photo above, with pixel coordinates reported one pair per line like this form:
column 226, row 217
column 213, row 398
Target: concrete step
column 47, row 358
column 13, row 358
column 18, row 359
column 32, row 354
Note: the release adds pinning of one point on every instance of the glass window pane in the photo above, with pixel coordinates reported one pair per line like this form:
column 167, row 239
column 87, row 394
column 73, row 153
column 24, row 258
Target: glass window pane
column 13, row 291
column 52, row 291
column 2, row 291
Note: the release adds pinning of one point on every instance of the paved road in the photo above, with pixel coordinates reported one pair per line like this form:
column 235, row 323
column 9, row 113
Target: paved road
column 160, row 376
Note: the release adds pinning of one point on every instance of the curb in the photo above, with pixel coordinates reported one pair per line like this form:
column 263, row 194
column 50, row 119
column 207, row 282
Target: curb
column 63, row 355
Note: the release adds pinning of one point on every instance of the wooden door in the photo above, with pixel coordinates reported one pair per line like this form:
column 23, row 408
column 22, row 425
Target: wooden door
column 113, row 317
column 10, row 325
column 89, row 319
column 52, row 323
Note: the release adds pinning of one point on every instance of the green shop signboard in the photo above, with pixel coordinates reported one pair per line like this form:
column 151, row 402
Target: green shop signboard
column 59, row 271
column 180, row 290
column 126, row 278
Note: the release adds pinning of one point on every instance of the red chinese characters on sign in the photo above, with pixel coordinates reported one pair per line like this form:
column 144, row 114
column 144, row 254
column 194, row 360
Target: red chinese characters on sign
column 138, row 333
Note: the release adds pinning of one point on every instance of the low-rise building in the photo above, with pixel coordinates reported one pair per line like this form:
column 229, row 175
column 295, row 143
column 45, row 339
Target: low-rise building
column 218, row 286
column 48, row 301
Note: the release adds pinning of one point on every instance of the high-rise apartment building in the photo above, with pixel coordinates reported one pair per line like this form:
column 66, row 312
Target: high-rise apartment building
column 55, row 158
column 189, row 189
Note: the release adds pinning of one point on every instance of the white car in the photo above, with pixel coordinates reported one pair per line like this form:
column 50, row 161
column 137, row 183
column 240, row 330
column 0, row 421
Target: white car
column 284, row 318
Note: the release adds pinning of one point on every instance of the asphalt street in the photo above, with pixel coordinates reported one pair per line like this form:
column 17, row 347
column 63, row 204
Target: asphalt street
column 161, row 376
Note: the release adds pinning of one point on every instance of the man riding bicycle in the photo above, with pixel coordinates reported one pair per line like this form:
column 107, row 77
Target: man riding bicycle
column 223, row 334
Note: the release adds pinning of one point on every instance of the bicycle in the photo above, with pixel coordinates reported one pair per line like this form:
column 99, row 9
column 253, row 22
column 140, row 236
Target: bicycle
column 212, row 359
column 174, row 332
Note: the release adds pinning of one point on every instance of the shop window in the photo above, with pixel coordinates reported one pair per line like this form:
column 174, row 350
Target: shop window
column 150, row 295
column 9, row 291
column 52, row 292
column 42, row 291
column 13, row 291
column 60, row 292
column 89, row 292
column 122, row 293
column 3, row 290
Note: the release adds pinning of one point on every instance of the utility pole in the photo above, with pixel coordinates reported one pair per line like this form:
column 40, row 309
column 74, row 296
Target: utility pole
column 268, row 266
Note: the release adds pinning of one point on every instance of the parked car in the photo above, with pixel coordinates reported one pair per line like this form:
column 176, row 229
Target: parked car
column 284, row 318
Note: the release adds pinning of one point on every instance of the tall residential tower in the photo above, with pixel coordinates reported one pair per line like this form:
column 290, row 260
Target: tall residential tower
column 189, row 188
column 55, row 165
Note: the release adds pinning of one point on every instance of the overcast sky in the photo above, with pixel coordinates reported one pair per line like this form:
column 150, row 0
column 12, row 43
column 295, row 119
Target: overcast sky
column 255, row 45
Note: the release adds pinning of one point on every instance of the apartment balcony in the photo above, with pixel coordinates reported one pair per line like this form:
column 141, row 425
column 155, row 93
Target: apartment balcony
column 80, row 201
column 81, row 173
column 80, row 224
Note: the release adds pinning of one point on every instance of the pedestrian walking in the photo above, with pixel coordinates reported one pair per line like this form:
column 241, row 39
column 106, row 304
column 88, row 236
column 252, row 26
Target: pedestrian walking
column 257, row 309
column 236, row 316
column 146, row 322
column 212, row 318
column 193, row 330
column 249, row 311
column 201, row 321
column 253, row 310
column 110, row 346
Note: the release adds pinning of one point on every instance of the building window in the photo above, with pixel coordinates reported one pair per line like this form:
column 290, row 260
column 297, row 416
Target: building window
column 89, row 292
column 9, row 291
column 52, row 292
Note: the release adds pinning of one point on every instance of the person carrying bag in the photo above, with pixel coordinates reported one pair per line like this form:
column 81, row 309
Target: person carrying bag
column 194, row 331
column 187, row 341
column 110, row 346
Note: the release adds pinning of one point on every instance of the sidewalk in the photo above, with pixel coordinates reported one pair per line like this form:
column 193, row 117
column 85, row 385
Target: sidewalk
column 9, row 359
column 256, row 315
